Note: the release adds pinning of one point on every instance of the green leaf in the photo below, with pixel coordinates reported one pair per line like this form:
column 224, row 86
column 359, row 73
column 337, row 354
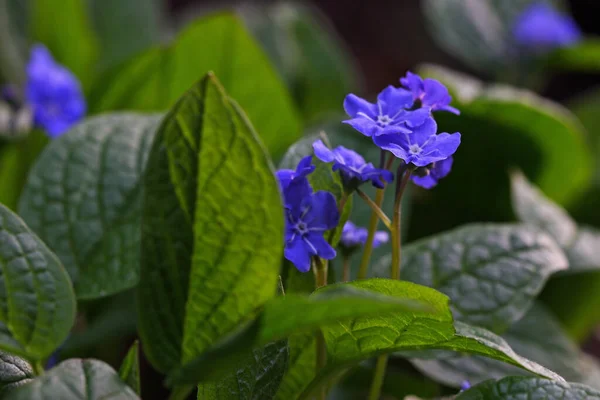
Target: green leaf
column 130, row 368
column 155, row 79
column 301, row 366
column 125, row 27
column 492, row 273
column 14, row 372
column 76, row 379
column 581, row 57
column 213, row 227
column 16, row 159
column 307, row 52
column 479, row 33
column 257, row 378
column 552, row 349
column 521, row 130
column 579, row 244
column 37, row 304
column 516, row 388
column 74, row 44
column 83, row 197
column 13, row 43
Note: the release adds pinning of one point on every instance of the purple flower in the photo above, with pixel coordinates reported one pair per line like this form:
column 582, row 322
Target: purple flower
column 430, row 92
column 541, row 28
column 354, row 236
column 308, row 216
column 423, row 146
column 433, row 173
column 53, row 92
column 465, row 385
column 353, row 167
column 389, row 115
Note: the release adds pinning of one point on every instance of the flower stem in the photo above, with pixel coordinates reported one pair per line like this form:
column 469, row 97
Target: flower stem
column 38, row 368
column 346, row 268
column 384, row 218
column 403, row 176
column 366, row 256
column 320, row 269
column 380, row 367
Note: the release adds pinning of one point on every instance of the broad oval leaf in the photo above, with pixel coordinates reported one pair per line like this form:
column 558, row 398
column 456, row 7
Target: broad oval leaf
column 83, row 197
column 14, row 372
column 76, row 379
column 521, row 130
column 154, row 80
column 213, row 227
column 492, row 273
column 130, row 368
column 517, row 388
column 37, row 303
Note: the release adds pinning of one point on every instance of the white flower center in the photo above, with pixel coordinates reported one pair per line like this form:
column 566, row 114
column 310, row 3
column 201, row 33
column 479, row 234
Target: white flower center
column 384, row 120
column 302, row 228
column 414, row 149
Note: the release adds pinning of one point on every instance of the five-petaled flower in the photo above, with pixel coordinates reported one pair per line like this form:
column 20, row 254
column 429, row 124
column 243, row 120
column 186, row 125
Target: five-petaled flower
column 541, row 28
column 431, row 174
column 391, row 114
column 421, row 147
column 308, row 216
column 354, row 236
column 53, row 92
column 430, row 92
column 353, row 167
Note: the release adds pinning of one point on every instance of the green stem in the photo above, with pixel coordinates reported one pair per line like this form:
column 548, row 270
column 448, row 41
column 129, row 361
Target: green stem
column 366, row 256
column 320, row 269
column 346, row 268
column 38, row 368
column 181, row 392
column 374, row 207
column 375, row 392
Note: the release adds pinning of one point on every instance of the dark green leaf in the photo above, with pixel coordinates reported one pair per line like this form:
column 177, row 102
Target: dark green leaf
column 301, row 366
column 83, row 197
column 517, row 388
column 212, row 235
column 16, row 159
column 37, row 303
column 130, row 368
column 582, row 57
column 492, row 273
column 520, row 129
column 14, row 372
column 76, row 379
column 74, row 44
column 155, row 79
column 307, row 52
column 257, row 378
column 125, row 27
column 13, row 50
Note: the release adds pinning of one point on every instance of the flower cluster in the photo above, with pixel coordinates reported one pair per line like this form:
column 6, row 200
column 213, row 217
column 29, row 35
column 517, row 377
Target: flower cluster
column 402, row 123
column 308, row 216
column 354, row 236
column 53, row 92
column 540, row 28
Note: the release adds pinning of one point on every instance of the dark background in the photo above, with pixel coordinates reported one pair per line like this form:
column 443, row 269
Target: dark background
column 388, row 37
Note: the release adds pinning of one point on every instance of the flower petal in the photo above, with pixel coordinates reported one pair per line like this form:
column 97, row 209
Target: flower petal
column 364, row 125
column 424, row 132
column 322, row 152
column 380, row 238
column 299, row 254
column 392, row 99
column 354, row 104
column 445, row 144
column 324, row 249
column 426, row 182
column 323, row 213
column 396, row 144
column 414, row 83
column 284, row 176
column 417, row 117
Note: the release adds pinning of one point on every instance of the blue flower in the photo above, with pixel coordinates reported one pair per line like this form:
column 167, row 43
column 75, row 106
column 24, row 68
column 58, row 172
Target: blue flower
column 423, row 146
column 465, row 385
column 430, row 92
column 308, row 216
column 433, row 173
column 53, row 92
column 389, row 115
column 354, row 236
column 541, row 28
column 353, row 167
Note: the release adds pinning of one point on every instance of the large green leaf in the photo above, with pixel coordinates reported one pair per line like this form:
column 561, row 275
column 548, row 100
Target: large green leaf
column 502, row 128
column 76, row 379
column 256, row 378
column 213, row 223
column 492, row 273
column 14, row 372
column 130, row 368
column 582, row 57
column 37, row 303
column 157, row 78
column 74, row 44
column 537, row 336
column 307, row 52
column 125, row 27
column 517, row 388
column 16, row 159
column 479, row 33
column 83, row 197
